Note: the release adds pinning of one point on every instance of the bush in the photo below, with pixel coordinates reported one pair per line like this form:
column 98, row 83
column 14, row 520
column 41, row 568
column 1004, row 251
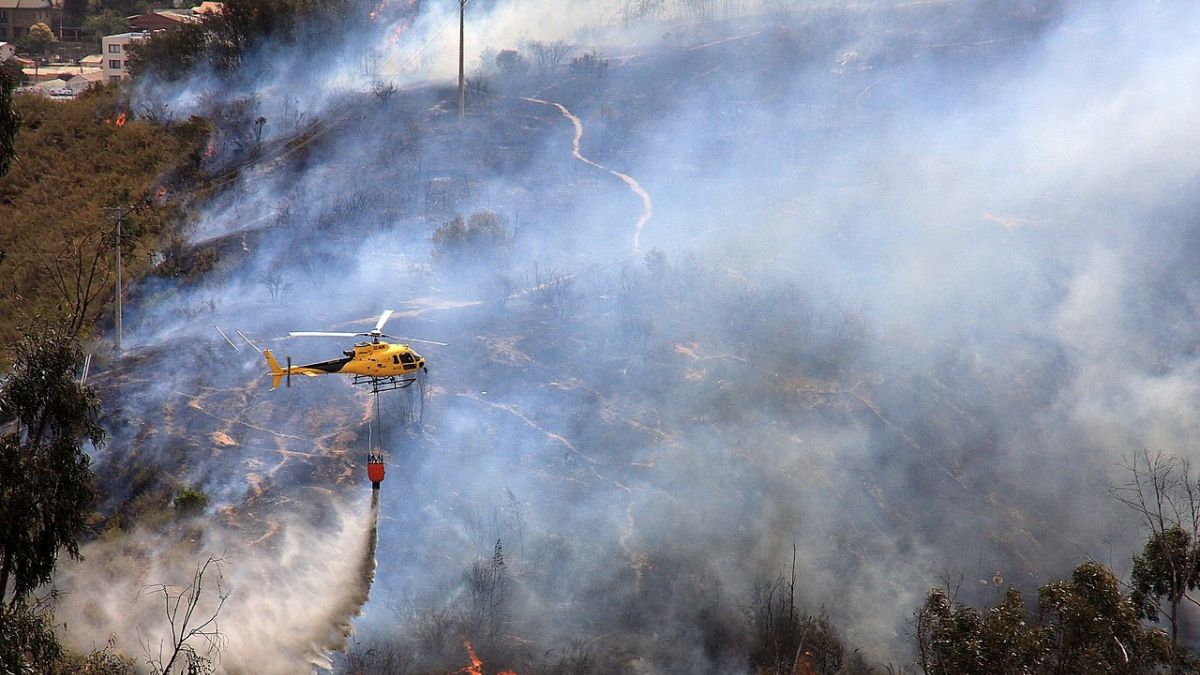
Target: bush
column 27, row 640
column 510, row 62
column 481, row 240
column 589, row 65
column 190, row 501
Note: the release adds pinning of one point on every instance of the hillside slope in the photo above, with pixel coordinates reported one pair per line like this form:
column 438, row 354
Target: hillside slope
column 899, row 306
column 75, row 159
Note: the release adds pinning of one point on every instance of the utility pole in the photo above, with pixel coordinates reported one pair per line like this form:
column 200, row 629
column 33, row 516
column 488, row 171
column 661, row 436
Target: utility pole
column 118, row 214
column 462, row 92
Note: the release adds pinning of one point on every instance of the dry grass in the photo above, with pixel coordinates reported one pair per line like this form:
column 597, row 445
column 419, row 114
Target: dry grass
column 73, row 160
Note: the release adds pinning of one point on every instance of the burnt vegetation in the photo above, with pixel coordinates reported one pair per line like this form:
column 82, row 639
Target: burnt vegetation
column 715, row 467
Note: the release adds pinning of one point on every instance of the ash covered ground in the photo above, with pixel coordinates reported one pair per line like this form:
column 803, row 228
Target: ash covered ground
column 896, row 285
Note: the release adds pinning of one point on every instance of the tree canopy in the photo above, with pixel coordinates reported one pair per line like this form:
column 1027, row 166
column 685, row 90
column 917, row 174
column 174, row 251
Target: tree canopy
column 221, row 40
column 1084, row 625
column 46, row 482
column 40, row 37
column 10, row 121
column 475, row 240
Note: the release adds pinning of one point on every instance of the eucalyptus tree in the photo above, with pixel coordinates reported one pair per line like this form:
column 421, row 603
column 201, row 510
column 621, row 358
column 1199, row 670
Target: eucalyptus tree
column 47, row 487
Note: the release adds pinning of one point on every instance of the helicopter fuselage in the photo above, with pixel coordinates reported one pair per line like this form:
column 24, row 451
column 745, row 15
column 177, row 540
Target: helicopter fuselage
column 368, row 359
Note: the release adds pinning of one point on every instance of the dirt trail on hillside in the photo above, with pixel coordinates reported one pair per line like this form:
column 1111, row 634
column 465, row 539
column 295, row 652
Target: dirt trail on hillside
column 647, row 203
column 636, row 559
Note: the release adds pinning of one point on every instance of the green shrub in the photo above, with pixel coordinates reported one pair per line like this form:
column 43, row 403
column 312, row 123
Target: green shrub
column 190, row 501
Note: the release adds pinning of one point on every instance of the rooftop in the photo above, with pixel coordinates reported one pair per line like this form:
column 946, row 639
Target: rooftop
column 90, row 74
column 176, row 15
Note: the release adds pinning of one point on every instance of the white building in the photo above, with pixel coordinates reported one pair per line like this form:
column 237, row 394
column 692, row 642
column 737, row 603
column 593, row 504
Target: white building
column 86, row 79
column 115, row 50
column 7, row 51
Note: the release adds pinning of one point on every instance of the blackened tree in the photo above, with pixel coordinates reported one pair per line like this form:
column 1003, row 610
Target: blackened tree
column 488, row 592
column 548, row 55
column 786, row 640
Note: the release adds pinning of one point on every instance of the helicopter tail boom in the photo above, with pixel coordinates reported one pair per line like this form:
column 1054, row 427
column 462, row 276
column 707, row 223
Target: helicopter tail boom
column 277, row 373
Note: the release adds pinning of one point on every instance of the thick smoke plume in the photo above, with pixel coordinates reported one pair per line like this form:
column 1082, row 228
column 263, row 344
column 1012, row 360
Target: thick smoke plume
column 290, row 597
column 914, row 278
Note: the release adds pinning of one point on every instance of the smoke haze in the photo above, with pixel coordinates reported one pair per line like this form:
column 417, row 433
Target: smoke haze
column 915, row 277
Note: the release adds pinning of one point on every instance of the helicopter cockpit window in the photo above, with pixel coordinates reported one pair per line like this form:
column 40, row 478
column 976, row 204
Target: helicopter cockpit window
column 407, row 357
column 348, row 352
column 395, row 359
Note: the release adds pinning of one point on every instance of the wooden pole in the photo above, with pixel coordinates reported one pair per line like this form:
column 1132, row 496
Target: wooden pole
column 118, row 215
column 462, row 92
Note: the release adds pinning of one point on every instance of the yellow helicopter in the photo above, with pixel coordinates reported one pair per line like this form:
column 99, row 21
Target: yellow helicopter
column 382, row 365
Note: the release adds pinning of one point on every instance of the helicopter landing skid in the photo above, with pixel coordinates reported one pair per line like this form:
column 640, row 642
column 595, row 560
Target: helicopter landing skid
column 379, row 384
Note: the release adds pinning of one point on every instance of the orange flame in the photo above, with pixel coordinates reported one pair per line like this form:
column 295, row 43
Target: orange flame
column 476, row 667
column 121, row 119
column 160, row 193
column 403, row 25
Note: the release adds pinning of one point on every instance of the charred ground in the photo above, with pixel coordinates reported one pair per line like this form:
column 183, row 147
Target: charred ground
column 625, row 440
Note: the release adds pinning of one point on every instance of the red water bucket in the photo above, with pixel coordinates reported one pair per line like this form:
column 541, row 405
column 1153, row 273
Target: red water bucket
column 375, row 474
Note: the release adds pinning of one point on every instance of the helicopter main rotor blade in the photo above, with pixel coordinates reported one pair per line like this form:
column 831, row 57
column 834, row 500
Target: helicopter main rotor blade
column 408, row 339
column 249, row 341
column 387, row 313
column 311, row 333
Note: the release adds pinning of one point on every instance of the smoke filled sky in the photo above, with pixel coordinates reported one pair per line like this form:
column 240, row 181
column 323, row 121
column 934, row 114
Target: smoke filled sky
column 916, row 278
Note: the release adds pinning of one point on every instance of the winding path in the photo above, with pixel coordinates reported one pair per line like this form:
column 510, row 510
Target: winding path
column 636, row 560
column 647, row 204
